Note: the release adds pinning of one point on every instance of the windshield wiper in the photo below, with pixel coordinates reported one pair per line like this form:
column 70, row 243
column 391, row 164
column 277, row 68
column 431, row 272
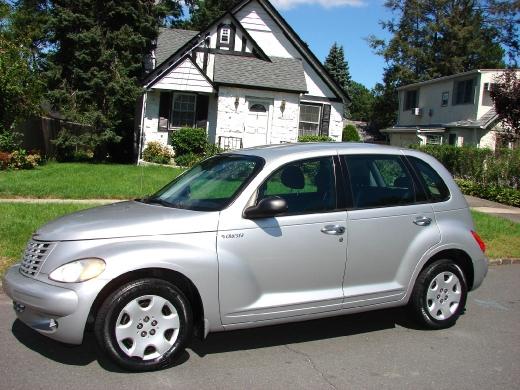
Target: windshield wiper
column 156, row 201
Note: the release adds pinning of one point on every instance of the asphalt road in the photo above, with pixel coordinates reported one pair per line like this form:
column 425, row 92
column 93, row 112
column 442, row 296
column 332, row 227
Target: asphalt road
column 378, row 350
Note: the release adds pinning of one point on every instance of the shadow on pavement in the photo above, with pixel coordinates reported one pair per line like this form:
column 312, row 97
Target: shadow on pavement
column 74, row 355
column 300, row 332
column 277, row 335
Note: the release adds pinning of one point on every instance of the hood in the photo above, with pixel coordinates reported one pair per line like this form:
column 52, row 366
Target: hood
column 127, row 219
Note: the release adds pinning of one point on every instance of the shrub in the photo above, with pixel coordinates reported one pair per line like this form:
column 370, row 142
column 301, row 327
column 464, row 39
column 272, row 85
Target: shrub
column 188, row 160
column 19, row 159
column 498, row 194
column 10, row 141
column 83, row 147
column 155, row 152
column 189, row 140
column 350, row 134
column 315, row 138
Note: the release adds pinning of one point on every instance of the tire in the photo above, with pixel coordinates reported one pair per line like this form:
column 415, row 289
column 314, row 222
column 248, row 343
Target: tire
column 439, row 295
column 144, row 325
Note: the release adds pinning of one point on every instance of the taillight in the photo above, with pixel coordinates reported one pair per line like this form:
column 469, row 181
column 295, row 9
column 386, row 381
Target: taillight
column 479, row 241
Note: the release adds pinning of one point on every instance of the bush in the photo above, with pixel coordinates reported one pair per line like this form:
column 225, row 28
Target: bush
column 498, row 194
column 188, row 140
column 19, row 159
column 315, row 138
column 10, row 141
column 350, row 134
column 188, row 160
column 83, row 147
column 155, row 152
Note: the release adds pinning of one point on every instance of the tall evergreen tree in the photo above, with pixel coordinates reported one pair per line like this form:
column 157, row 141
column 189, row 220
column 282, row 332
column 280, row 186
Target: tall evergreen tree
column 97, row 61
column 203, row 12
column 337, row 66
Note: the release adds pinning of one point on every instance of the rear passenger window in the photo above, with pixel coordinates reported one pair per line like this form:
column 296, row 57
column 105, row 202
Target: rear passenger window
column 379, row 181
column 307, row 186
column 435, row 187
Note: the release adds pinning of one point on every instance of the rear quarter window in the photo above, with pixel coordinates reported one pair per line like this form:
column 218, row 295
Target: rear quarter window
column 436, row 189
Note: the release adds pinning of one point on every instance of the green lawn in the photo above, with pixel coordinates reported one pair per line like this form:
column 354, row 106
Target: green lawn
column 502, row 237
column 18, row 221
column 85, row 181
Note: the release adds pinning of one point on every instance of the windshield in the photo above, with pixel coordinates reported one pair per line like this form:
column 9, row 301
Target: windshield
column 210, row 185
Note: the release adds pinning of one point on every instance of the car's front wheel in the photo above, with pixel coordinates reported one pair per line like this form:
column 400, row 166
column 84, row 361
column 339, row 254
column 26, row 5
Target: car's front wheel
column 144, row 325
column 439, row 295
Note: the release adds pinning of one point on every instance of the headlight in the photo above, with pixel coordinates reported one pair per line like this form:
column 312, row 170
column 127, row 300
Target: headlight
column 78, row 271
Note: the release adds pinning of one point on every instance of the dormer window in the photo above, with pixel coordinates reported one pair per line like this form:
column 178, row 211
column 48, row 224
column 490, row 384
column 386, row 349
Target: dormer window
column 224, row 35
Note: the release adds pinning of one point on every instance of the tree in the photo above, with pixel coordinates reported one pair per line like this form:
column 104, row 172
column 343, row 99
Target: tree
column 203, row 12
column 20, row 86
column 350, row 134
column 506, row 99
column 96, row 61
column 362, row 102
column 433, row 38
column 338, row 68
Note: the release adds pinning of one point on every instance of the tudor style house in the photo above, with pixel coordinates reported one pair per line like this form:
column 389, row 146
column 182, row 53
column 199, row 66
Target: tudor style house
column 248, row 79
column 455, row 110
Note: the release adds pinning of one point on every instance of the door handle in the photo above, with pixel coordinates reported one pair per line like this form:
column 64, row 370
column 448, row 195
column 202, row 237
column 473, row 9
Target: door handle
column 422, row 221
column 333, row 230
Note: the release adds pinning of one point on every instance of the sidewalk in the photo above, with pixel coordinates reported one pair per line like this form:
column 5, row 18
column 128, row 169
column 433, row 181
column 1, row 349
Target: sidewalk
column 494, row 208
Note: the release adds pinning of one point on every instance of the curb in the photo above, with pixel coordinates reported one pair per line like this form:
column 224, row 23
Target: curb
column 503, row 261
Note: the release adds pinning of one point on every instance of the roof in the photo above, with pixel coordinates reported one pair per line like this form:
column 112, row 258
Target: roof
column 484, row 122
column 453, row 76
column 170, row 41
column 285, row 74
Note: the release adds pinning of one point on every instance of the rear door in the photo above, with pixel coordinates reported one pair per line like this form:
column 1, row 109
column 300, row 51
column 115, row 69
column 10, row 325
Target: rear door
column 389, row 228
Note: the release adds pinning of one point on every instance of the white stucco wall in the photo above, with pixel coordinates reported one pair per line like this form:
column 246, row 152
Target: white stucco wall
column 151, row 120
column 231, row 121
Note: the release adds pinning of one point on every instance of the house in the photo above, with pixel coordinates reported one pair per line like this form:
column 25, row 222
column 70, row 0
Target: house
column 247, row 78
column 455, row 110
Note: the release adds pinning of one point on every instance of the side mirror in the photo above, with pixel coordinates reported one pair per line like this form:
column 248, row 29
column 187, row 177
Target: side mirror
column 267, row 208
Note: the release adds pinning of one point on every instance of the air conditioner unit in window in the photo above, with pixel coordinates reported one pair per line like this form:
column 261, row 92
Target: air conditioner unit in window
column 417, row 111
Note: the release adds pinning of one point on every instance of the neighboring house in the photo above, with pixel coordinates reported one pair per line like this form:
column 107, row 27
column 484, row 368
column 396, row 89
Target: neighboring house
column 248, row 79
column 455, row 110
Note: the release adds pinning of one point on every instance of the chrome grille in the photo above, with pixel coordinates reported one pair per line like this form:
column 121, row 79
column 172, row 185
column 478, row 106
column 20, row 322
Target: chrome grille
column 35, row 254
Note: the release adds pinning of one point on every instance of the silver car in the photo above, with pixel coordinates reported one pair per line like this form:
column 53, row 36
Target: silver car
column 252, row 238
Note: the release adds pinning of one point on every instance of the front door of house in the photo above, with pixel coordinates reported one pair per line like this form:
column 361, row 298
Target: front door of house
column 257, row 123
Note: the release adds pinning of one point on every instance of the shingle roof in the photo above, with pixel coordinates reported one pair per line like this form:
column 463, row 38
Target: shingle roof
column 285, row 74
column 171, row 40
column 484, row 122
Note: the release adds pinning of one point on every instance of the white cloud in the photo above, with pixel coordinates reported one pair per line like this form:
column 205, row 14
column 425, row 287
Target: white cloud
column 287, row 4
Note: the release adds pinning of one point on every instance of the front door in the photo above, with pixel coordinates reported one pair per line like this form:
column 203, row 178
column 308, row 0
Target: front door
column 257, row 123
column 289, row 265
column 389, row 229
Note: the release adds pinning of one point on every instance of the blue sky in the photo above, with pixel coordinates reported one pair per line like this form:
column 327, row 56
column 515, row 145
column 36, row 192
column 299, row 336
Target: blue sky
column 348, row 22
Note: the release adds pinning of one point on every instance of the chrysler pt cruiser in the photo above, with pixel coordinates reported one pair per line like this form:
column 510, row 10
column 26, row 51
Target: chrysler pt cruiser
column 252, row 238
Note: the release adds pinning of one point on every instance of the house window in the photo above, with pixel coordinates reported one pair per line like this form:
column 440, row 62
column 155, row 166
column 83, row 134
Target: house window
column 445, row 99
column 309, row 119
column 183, row 112
column 464, row 92
column 452, row 139
column 434, row 140
column 224, row 35
column 410, row 100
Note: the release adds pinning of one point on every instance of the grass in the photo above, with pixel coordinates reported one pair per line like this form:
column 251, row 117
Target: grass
column 20, row 220
column 85, row 181
column 502, row 237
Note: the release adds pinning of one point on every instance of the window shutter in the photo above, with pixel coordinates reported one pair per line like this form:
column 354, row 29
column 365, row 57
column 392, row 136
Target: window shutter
column 165, row 106
column 201, row 116
column 325, row 120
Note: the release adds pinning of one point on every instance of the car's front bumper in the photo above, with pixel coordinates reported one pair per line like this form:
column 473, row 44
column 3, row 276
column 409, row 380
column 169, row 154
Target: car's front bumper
column 54, row 311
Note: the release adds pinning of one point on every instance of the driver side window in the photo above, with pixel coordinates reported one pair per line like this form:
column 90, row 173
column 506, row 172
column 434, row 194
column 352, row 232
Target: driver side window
column 308, row 186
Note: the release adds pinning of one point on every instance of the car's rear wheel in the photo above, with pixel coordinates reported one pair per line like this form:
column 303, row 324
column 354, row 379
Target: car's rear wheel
column 144, row 325
column 439, row 295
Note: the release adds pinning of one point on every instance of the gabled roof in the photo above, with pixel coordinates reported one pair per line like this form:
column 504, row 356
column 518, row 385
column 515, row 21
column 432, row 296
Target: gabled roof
column 301, row 46
column 170, row 41
column 283, row 74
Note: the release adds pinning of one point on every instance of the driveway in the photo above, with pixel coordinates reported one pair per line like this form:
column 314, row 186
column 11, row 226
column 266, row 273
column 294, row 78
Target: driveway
column 494, row 208
column 379, row 350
